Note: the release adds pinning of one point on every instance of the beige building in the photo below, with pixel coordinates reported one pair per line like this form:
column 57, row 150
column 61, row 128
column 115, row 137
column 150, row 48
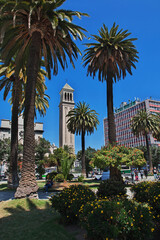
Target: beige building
column 5, row 129
column 66, row 104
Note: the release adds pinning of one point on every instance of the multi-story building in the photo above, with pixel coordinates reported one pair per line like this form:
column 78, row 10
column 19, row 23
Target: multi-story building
column 123, row 116
column 5, row 129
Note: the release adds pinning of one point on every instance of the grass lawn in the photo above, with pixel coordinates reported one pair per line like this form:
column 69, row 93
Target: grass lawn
column 93, row 184
column 25, row 219
column 40, row 183
column 3, row 186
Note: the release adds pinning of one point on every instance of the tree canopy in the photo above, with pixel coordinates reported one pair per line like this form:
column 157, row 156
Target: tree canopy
column 117, row 156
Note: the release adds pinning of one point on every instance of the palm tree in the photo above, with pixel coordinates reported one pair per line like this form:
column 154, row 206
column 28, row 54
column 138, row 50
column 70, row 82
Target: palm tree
column 9, row 83
column 145, row 123
column 111, row 55
column 82, row 120
column 38, row 29
column 157, row 134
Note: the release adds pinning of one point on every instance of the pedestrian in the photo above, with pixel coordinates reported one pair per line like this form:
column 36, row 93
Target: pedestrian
column 48, row 185
column 132, row 175
column 136, row 174
column 155, row 173
column 141, row 172
column 145, row 172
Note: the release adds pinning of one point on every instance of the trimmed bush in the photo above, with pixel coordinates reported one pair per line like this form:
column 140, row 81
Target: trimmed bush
column 80, row 178
column 70, row 200
column 148, row 192
column 111, row 188
column 59, row 177
column 120, row 220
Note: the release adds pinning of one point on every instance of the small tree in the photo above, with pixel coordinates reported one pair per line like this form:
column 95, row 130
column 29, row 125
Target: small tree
column 67, row 163
column 55, row 158
column 41, row 149
column 116, row 156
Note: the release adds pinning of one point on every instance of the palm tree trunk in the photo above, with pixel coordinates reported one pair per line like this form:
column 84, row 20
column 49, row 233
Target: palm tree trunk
column 111, row 122
column 83, row 154
column 149, row 154
column 13, row 179
column 114, row 172
column 28, row 186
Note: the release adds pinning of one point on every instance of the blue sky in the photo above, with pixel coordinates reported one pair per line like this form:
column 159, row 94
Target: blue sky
column 142, row 19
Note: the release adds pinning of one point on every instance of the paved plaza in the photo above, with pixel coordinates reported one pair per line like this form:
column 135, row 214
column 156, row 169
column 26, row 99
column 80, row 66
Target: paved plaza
column 9, row 194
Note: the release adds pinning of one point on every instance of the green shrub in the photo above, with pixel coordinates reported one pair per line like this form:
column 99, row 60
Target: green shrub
column 120, row 220
column 70, row 177
column 69, row 201
column 149, row 192
column 80, row 178
column 111, row 188
column 51, row 175
column 59, row 177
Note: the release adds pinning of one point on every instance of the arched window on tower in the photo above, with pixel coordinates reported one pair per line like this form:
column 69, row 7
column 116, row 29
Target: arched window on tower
column 71, row 96
column 65, row 95
column 68, row 96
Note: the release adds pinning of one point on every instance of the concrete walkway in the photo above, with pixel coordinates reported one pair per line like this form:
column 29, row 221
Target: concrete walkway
column 9, row 195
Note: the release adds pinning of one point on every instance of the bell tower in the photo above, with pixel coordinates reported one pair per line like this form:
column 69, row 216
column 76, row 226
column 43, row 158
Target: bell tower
column 66, row 104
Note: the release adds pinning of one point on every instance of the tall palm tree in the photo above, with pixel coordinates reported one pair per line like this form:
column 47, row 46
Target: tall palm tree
column 38, row 29
column 9, row 83
column 111, row 56
column 144, row 123
column 82, row 120
column 157, row 134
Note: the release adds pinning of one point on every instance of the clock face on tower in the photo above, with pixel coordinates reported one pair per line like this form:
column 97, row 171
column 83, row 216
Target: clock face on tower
column 21, row 133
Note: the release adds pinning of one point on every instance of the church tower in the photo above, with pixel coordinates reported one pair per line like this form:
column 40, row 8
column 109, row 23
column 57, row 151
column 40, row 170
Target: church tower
column 66, row 104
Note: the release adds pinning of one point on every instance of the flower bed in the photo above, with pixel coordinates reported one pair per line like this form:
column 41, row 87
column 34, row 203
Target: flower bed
column 69, row 201
column 148, row 192
column 120, row 220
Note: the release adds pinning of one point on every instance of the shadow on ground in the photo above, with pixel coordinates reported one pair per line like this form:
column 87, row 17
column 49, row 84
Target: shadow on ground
column 27, row 220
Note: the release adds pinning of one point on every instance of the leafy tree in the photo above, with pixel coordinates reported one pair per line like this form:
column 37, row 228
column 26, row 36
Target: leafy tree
column 117, row 156
column 41, row 149
column 82, row 120
column 55, row 158
column 111, row 56
column 68, row 149
column 38, row 29
column 63, row 159
column 89, row 153
column 4, row 151
column 144, row 123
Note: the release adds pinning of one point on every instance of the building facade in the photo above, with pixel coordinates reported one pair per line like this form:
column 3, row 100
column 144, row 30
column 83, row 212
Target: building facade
column 5, row 129
column 123, row 116
column 66, row 104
